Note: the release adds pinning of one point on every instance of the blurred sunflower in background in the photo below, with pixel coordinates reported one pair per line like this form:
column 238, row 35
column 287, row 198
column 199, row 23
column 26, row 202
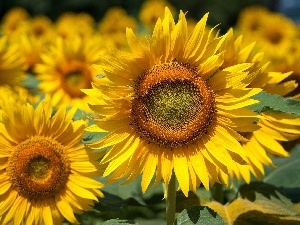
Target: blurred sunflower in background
column 113, row 25
column 45, row 169
column 15, row 22
column 31, row 41
column 30, row 50
column 11, row 63
column 67, row 67
column 41, row 27
column 171, row 107
column 71, row 24
column 276, row 36
column 151, row 10
column 251, row 20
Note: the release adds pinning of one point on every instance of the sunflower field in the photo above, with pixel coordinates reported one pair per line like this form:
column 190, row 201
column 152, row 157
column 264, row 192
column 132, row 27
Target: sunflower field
column 149, row 112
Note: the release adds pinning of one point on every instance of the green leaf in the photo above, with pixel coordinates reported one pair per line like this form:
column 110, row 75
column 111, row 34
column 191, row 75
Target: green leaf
column 268, row 195
column 286, row 174
column 200, row 197
column 115, row 221
column 258, row 203
column 198, row 215
column 154, row 221
column 112, row 206
column 110, row 202
column 270, row 102
column 288, row 184
column 128, row 201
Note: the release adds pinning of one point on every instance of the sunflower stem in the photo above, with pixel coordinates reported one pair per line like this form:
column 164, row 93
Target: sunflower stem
column 171, row 200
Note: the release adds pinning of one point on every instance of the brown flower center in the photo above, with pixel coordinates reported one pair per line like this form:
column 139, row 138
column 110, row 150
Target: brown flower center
column 75, row 76
column 274, row 36
column 173, row 105
column 39, row 167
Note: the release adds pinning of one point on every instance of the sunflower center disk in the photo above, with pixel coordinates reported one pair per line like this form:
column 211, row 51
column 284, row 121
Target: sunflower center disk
column 75, row 77
column 173, row 106
column 39, row 167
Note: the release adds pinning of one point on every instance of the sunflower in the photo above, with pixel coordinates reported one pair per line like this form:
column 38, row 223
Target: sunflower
column 290, row 62
column 276, row 35
column 151, row 10
column 170, row 107
column 15, row 22
column 251, row 18
column 41, row 27
column 275, row 128
column 16, row 95
column 45, row 170
column 273, row 32
column 239, row 50
column 66, row 68
column 71, row 24
column 11, row 63
column 30, row 49
column 113, row 25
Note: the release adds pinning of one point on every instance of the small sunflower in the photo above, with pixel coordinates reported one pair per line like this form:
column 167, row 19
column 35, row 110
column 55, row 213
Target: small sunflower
column 71, row 24
column 41, row 27
column 113, row 25
column 239, row 50
column 151, row 10
column 66, row 68
column 276, row 35
column 170, row 107
column 44, row 169
column 15, row 22
column 290, row 63
column 15, row 95
column 11, row 63
column 30, row 49
column 273, row 32
column 251, row 19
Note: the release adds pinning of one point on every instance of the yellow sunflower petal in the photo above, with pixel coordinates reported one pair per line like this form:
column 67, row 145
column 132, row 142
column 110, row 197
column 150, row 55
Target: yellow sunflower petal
column 194, row 44
column 47, row 215
column 181, row 169
column 20, row 211
column 85, row 182
column 8, row 202
column 199, row 166
column 166, row 160
column 149, row 168
column 66, row 210
column 269, row 143
column 12, row 210
column 111, row 139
